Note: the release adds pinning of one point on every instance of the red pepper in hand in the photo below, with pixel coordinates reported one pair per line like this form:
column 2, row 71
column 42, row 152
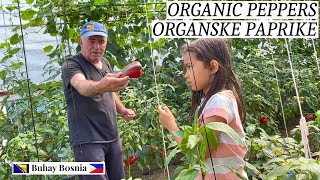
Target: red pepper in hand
column 133, row 70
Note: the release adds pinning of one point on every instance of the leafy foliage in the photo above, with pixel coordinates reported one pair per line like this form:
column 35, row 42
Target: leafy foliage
column 195, row 143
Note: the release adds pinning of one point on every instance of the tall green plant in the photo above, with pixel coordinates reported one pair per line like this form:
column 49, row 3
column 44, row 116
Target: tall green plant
column 194, row 145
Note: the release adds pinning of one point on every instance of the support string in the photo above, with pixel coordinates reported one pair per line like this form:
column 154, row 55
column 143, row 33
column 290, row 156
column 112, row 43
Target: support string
column 156, row 86
column 303, row 123
column 278, row 90
column 28, row 82
column 315, row 55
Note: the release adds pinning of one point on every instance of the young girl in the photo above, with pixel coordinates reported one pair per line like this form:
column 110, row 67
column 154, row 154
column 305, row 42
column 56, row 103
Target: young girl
column 208, row 71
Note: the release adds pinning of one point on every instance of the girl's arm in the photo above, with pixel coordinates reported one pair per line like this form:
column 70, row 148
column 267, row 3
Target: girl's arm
column 168, row 121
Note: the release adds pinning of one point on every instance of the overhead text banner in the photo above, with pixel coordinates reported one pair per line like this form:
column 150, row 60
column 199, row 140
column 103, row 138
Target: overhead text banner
column 235, row 29
column 239, row 19
column 242, row 9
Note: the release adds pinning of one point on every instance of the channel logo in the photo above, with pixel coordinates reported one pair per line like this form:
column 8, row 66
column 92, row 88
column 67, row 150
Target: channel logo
column 58, row 168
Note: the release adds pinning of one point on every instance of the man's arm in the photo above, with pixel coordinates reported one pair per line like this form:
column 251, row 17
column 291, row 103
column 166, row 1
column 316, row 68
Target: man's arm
column 120, row 107
column 127, row 114
column 109, row 83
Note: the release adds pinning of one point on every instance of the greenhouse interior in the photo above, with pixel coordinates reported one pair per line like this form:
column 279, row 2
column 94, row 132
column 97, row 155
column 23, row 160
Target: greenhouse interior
column 49, row 111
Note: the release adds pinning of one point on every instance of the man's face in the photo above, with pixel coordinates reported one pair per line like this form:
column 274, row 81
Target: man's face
column 93, row 47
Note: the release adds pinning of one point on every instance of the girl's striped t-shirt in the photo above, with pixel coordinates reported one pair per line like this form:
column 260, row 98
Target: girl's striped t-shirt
column 228, row 153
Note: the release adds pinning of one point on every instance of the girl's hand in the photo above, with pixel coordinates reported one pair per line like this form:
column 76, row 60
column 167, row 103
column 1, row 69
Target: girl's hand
column 167, row 119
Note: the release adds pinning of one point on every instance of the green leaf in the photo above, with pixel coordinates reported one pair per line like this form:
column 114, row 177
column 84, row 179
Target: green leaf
column 28, row 14
column 202, row 149
column 2, row 169
column 48, row 130
column 52, row 29
column 2, row 73
column 195, row 117
column 170, row 156
column 178, row 133
column 289, row 177
column 139, row 147
column 49, row 147
column 252, row 167
column 5, row 58
column 11, row 8
column 210, row 135
column 188, row 174
column 87, row 10
column 147, row 53
column 48, row 48
column 42, row 152
column 274, row 160
column 15, row 39
column 187, row 131
column 280, row 171
column 219, row 126
column 193, row 140
column 316, row 154
column 268, row 153
column 36, row 22
column 177, row 171
column 3, row 45
column 16, row 66
column 29, row 1
column 13, row 51
column 236, row 172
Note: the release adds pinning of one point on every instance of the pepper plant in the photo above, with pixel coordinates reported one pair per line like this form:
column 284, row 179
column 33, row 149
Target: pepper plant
column 195, row 143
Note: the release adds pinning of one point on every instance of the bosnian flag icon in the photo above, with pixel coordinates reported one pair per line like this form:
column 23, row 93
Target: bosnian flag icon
column 20, row 168
column 96, row 168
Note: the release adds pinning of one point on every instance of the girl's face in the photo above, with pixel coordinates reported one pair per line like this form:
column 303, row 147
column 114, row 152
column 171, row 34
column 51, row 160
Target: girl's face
column 197, row 75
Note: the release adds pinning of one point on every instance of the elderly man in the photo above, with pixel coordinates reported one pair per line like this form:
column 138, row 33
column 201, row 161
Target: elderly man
column 89, row 88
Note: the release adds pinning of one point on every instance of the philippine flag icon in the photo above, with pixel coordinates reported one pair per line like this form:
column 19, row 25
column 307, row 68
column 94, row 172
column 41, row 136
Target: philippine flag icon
column 20, row 168
column 96, row 168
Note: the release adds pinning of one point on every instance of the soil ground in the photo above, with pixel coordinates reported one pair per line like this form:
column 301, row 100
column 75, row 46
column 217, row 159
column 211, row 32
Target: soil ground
column 157, row 174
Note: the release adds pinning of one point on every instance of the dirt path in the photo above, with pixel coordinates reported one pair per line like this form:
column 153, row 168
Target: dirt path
column 155, row 174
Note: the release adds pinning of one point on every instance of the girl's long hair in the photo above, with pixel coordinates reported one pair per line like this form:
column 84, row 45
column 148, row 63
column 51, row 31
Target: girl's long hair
column 207, row 50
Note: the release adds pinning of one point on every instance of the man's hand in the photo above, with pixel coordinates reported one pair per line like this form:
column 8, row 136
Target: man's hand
column 127, row 114
column 112, row 82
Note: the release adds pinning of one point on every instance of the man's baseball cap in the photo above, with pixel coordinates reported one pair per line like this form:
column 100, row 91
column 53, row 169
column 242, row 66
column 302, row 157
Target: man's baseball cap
column 92, row 29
